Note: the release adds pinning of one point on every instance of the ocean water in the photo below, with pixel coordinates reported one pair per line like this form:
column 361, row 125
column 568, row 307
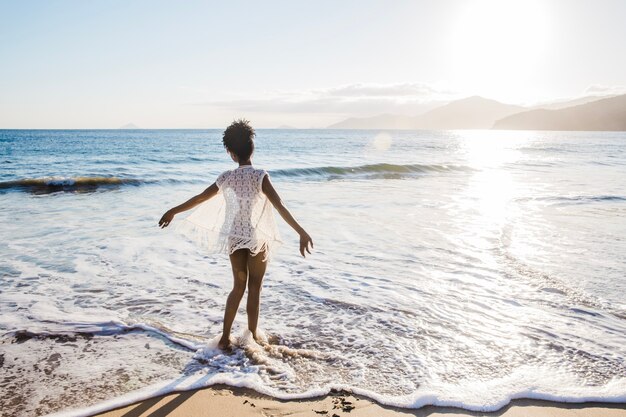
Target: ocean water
column 462, row 268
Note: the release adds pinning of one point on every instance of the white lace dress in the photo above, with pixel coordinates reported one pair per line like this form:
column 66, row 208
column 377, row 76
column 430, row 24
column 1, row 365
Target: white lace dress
column 240, row 216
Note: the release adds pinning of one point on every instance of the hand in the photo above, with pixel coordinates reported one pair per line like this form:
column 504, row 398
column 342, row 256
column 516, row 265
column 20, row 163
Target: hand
column 305, row 240
column 166, row 219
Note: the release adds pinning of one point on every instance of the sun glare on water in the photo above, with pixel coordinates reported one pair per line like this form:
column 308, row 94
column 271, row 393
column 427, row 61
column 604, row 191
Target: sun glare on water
column 491, row 186
column 496, row 43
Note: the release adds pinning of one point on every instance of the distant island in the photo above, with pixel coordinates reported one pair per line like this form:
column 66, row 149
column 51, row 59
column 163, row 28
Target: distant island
column 586, row 113
column 383, row 121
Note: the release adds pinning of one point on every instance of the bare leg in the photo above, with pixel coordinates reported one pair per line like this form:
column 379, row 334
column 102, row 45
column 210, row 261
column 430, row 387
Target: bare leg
column 256, row 269
column 239, row 263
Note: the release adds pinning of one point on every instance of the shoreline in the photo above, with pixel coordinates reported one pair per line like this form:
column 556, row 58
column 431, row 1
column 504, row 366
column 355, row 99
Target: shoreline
column 224, row 400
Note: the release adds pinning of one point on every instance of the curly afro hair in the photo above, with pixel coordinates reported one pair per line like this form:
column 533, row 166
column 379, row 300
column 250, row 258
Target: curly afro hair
column 239, row 139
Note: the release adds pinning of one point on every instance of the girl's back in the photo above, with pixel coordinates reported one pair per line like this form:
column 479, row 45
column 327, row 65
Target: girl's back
column 249, row 219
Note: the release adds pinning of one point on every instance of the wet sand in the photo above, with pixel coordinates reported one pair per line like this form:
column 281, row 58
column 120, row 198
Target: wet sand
column 226, row 401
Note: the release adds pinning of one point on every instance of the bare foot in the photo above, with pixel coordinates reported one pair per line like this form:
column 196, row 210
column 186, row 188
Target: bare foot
column 258, row 339
column 224, row 344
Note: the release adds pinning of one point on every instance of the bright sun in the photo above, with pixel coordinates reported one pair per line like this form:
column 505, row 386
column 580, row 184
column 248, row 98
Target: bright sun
column 496, row 46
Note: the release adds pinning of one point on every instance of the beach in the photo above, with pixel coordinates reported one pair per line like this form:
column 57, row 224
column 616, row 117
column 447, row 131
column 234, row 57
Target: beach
column 313, row 209
column 236, row 402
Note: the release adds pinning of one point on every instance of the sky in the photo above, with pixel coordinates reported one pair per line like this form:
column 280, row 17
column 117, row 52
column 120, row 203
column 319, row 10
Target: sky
column 200, row 64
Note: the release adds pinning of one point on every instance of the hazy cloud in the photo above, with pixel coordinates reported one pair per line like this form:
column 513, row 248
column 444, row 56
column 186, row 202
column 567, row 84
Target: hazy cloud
column 598, row 89
column 353, row 99
column 415, row 90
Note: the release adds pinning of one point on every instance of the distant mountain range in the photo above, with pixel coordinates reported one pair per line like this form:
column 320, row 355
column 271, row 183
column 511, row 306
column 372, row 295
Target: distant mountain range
column 604, row 114
column 561, row 104
column 468, row 113
column 586, row 113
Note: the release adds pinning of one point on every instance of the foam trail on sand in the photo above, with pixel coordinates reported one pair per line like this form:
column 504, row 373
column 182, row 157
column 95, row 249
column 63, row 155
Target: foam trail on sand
column 108, row 328
column 480, row 396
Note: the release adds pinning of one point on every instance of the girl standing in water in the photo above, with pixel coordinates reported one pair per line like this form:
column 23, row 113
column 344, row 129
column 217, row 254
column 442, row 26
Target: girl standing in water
column 249, row 233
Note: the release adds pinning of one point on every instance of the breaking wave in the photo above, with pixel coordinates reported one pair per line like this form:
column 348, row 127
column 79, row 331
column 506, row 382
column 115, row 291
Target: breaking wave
column 382, row 170
column 49, row 185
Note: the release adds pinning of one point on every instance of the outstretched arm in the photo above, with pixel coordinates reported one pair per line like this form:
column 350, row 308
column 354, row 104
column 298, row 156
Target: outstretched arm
column 274, row 198
column 189, row 204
